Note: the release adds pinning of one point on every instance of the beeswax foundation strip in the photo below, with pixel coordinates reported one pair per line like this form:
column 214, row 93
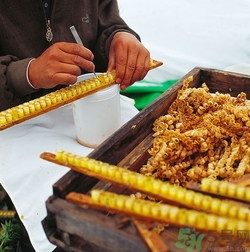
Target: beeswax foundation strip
column 165, row 213
column 148, row 185
column 7, row 214
column 59, row 98
column 226, row 189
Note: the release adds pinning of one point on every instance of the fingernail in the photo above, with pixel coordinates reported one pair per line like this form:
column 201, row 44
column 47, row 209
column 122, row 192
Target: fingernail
column 123, row 87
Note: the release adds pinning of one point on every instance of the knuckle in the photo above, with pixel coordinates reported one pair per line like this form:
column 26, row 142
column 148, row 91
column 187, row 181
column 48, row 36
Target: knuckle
column 52, row 55
column 131, row 67
column 121, row 61
column 51, row 78
column 76, row 48
column 76, row 59
column 140, row 68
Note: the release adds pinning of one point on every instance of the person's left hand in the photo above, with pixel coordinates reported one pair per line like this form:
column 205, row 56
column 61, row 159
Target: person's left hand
column 129, row 58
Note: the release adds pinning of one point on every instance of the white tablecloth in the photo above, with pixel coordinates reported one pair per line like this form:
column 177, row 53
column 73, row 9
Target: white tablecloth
column 26, row 177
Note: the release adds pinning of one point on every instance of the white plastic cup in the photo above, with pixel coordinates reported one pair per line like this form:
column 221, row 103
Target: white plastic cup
column 97, row 116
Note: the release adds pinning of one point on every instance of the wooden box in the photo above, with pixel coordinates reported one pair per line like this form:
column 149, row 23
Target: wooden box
column 75, row 228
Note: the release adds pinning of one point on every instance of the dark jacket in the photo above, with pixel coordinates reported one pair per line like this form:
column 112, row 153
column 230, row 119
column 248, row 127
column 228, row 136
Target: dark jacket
column 23, row 26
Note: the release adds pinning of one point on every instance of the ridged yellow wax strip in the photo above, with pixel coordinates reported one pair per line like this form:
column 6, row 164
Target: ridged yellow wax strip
column 7, row 214
column 155, row 187
column 54, row 99
column 60, row 97
column 225, row 188
column 165, row 213
column 3, row 119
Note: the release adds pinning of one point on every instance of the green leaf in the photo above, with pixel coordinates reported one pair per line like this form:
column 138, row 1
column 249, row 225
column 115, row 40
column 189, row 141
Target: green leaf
column 9, row 235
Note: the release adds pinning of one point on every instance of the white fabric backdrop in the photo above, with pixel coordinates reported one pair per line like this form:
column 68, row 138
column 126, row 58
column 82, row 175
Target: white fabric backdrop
column 189, row 33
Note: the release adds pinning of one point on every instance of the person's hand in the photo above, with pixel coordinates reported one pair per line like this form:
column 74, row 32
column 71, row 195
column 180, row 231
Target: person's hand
column 60, row 64
column 129, row 58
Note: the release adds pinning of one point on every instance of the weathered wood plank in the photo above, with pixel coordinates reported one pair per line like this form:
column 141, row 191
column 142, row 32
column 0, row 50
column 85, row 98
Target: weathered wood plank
column 226, row 82
column 75, row 228
column 94, row 226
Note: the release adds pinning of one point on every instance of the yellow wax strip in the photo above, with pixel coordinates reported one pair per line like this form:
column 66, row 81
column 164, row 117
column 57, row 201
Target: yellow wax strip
column 148, row 185
column 59, row 98
column 225, row 188
column 54, row 100
column 7, row 214
column 153, row 211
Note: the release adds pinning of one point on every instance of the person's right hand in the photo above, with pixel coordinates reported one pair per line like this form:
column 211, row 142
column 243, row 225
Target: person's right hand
column 60, row 64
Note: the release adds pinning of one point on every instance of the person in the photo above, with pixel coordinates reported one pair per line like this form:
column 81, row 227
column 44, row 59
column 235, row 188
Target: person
column 38, row 52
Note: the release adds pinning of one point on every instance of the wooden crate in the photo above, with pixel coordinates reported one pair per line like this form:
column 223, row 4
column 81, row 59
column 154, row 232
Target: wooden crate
column 75, row 228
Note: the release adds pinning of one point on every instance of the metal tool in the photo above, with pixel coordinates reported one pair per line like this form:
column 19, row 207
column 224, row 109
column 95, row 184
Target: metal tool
column 78, row 40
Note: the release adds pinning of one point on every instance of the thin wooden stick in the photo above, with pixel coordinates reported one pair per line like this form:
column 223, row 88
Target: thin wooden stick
column 152, row 239
column 156, row 188
column 152, row 211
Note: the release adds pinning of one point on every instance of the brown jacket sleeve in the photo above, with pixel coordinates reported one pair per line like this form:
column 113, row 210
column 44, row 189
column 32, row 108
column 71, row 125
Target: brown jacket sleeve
column 23, row 25
column 7, row 98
